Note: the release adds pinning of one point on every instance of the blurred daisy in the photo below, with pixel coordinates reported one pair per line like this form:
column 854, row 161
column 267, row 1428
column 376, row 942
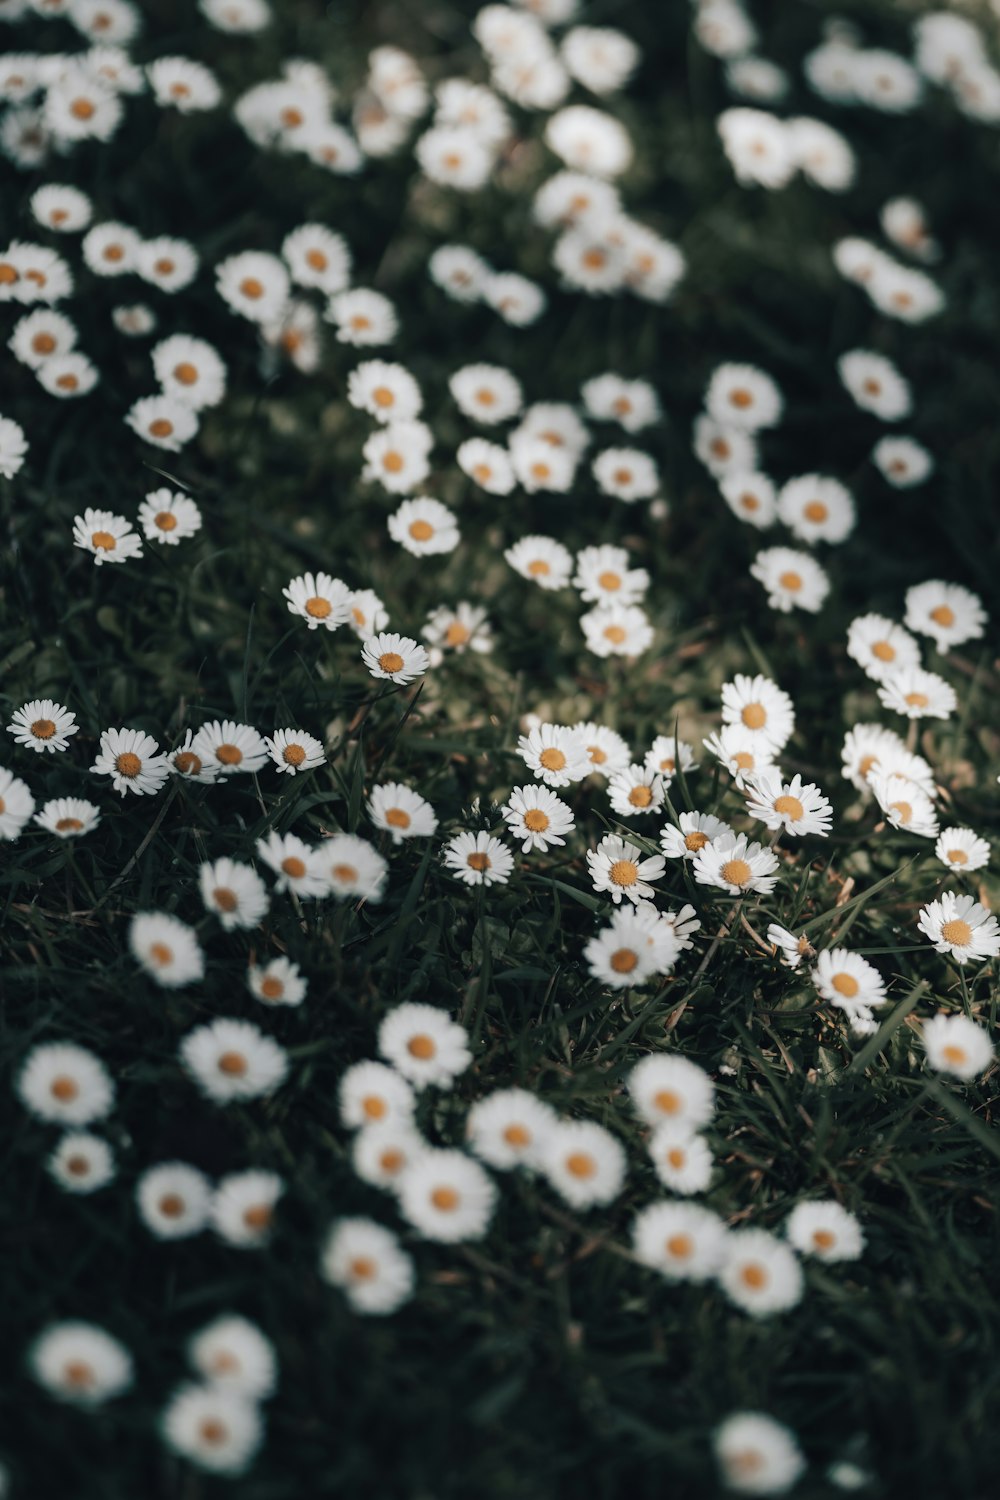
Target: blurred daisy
column 368, row 1264
column 233, row 1355
column 902, row 461
column 42, row 724
column 583, row 1162
column 135, row 320
column 537, row 817
column 793, row 580
column 109, row 538
column 190, row 370
column 382, row 1153
column 292, row 751
column 65, row 1085
column 622, row 869
column 617, row 630
column 81, row 1163
column 423, row 1044
column 163, row 421
column 956, row 1045
column 174, row 1200
column 682, row 1162
column 213, row 1428
column 792, row 949
column 874, row 383
column 758, row 705
column 666, row 755
column 167, row 948
column 230, row 1060
column 588, row 140
column 298, row 867
column 850, row 983
column 606, row 749
column 183, row 84
column 631, row 949
column 751, row 497
column 367, row 614
column 760, row 1274
column 743, row 396
column 509, row 1128
column 278, row 982
column 424, row 527
column 243, row 1208
column 683, row 924
column 488, row 393
column 234, row 892
column 672, row 1090
column 636, row 790
column 80, row 1363
column 736, row 865
column 254, row 284
column 362, row 317
column 816, row 509
column 744, row 752
column 757, row 1455
column 396, row 456
column 401, row 812
column 821, row 1227
column 387, row 392
column 918, row 694
column 683, row 1241
column 62, row 208
column 905, row 804
column 133, row 761
column 633, row 404
column 541, row 559
column 464, row 628
column 167, row 263
column 168, row 517
column 960, row 927
column 881, row 647
column 693, row 831
column 794, row 806
column 13, row 448
column 68, row 817
column 318, row 257
column 447, row 1196
column 488, row 464
column 372, row 1094
column 319, row 599
column 961, row 850
column 230, row 747
column 67, row 375
column 111, row 249
column 459, row 271
column 626, row 474
column 946, row 612
column 40, row 336
column 603, row 575
column 478, row 859
column 354, row 870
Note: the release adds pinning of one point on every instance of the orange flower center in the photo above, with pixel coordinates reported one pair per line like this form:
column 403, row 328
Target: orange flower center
column 624, row 960
column 736, row 872
column 958, row 932
column 128, row 764
column 623, row 872
column 391, row 661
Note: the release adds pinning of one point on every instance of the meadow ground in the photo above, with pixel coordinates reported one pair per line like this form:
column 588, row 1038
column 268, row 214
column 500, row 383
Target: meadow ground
column 539, row 1338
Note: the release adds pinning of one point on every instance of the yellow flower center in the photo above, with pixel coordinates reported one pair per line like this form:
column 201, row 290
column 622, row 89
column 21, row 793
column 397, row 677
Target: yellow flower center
column 552, row 759
column 68, row 825
column 754, row 1276
column 695, row 840
column 791, row 581
column 229, row 755
column 958, row 857
column 128, row 764
column 623, row 872
column 294, row 867
column 616, row 634
column 958, row 932
column 640, row 796
column 391, row 661
column 397, row 818
column 846, row 985
column 445, row 1199
column 736, row 872
column 318, row 607
column 43, row 729
column 234, row 1064
column 917, row 700
column 422, row 1047
column 943, row 615
column 421, row 531
column 957, row 1056
column 680, row 1247
column 539, row 568
column 271, row 988
column 103, row 540
column 518, row 1136
column 624, row 960
column 252, row 288
column 165, row 520
column 789, row 807
column 754, row 715
column 161, row 954
column 225, row 899
column 186, row 373
column 581, row 1164
column 64, row 1089
column 478, row 862
column 609, row 581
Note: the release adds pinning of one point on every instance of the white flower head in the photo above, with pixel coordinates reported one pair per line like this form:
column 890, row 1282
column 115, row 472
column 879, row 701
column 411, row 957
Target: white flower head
column 736, row 865
column 423, row 1044
column 960, row 927
column 957, row 1046
column 760, row 1274
column 682, row 1241
column 447, row 1196
column 509, row 1128
column 622, row 869
column 233, row 1060
column 584, row 1163
column 174, row 1200
column 792, row 580
column 167, row 948
column 214, row 1428
column 368, row 1264
column 757, row 1455
column 80, row 1363
column 825, row 1229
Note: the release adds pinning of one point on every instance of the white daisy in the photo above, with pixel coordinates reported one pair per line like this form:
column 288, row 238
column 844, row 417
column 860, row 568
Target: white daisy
column 478, row 859
column 319, row 599
column 693, row 831
column 464, row 628
column 797, row 807
column 880, row 646
column 111, row 249
column 354, row 870
column 736, row 865
column 396, row 456
column 254, row 284
column 555, row 753
column 317, row 257
column 65, row 1084
column 636, row 945
column 617, row 630
column 230, row 1059
column 902, row 461
column 793, row 580
column 297, row 866
column 41, row 336
column 488, row 464
column 537, row 817
column 168, row 517
column 363, row 318
column 509, row 1128
column 683, row 1241
column 61, row 208
column 682, row 1162
column 956, row 1045
column 133, row 761
column 190, row 370
column 669, row 1089
column 918, row 694
column 372, row 1094
column 960, row 927
column 230, row 748
column 823, row 1228
column 757, row 1455
column 67, row 375
column 636, row 790
column 382, row 1153
column 109, row 538
column 183, row 84
column 233, row 1355
column 603, row 576
column 849, row 982
column 279, row 982
column 606, row 749
column 875, row 384
column 758, row 705
column 81, row 1163
column 633, row 404
column 667, row 754
column 743, row 396
column 293, row 751
column 423, row 1044
column 627, row 474
column 947, row 612
column 167, row 949
column 744, row 752
column 816, row 509
column 960, row 849
column 368, row 1264
column 42, row 724
column 793, row 949
column 13, row 448
column 583, row 1162
column 905, row 804
column 80, row 1363
column 388, row 392
column 368, row 615
column 760, row 1274
column 622, row 869
column 163, row 421
column 395, row 658
column 424, row 527
column 174, row 1200
column 213, row 1428
column 541, row 559
column 401, row 812
column 447, row 1197
column 243, row 1208
column 68, row 817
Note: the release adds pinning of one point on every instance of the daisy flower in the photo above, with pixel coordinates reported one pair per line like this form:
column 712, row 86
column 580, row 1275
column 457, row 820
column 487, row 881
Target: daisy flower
column 757, row 1455
column 487, row 393
column 902, row 461
column 488, row 464
column 424, row 527
column 183, row 761
column 163, row 421
column 213, row 1428
column 368, row 1264
column 77, row 108
column 758, row 146
column 478, row 859
column 633, row 948
column 821, row 1227
column 67, row 817
column 367, row 614
column 666, row 754
column 874, row 384
column 454, row 157
column 793, row 949
column 636, row 790
column 599, row 57
column 683, row 1241
column 109, row 538
column 401, row 812
column 61, row 208
column 666, row 1088
column 960, row 849
column 744, row 752
column 694, row 830
column 541, row 467
column 42, row 724
column 396, row 456
column 81, row 1163
column 881, row 647
column 464, row 628
column 174, row 1200
column 395, row 658
column 555, row 753
column 606, row 749
column 168, row 517
column 956, row 1045
column 423, row 1044
column 362, row 317
column 683, row 924
column 243, row 1207
column 682, row 1162
column 111, row 249
column 233, row 1355
column 946, row 612
column 509, row 1128
column 388, row 392
column 583, row 1162
column 541, row 559
column 537, row 817
column 759, row 706
column 622, row 869
column 41, row 336
column 354, row 870
column 850, row 983
column 319, row 599
column 317, row 257
column 519, row 302
column 65, row 1085
column 744, row 397
column 617, row 630
column 633, row 404
column 793, row 580
column 736, row 865
column 554, row 423
column 724, row 449
column 905, row 804
column 13, row 448
column 459, row 271
column 382, row 1153
column 230, row 1060
column 234, row 892
column 372, row 1094
column 190, row 370
column 292, row 751
column 183, row 84
column 167, row 949
column 67, row 375
column 871, row 748
column 816, row 509
column 134, row 320
column 254, row 284
column 297, row 866
column 230, row 747
column 760, row 1274
column 80, row 1363
column 959, row 926
column 797, row 807
column 626, row 474
column 447, row 1197
column 133, row 761
column 278, row 982
column 918, row 694
column 588, row 140
column 603, row 576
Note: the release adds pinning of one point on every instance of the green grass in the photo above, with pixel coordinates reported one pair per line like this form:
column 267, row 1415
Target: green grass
column 542, row 1362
